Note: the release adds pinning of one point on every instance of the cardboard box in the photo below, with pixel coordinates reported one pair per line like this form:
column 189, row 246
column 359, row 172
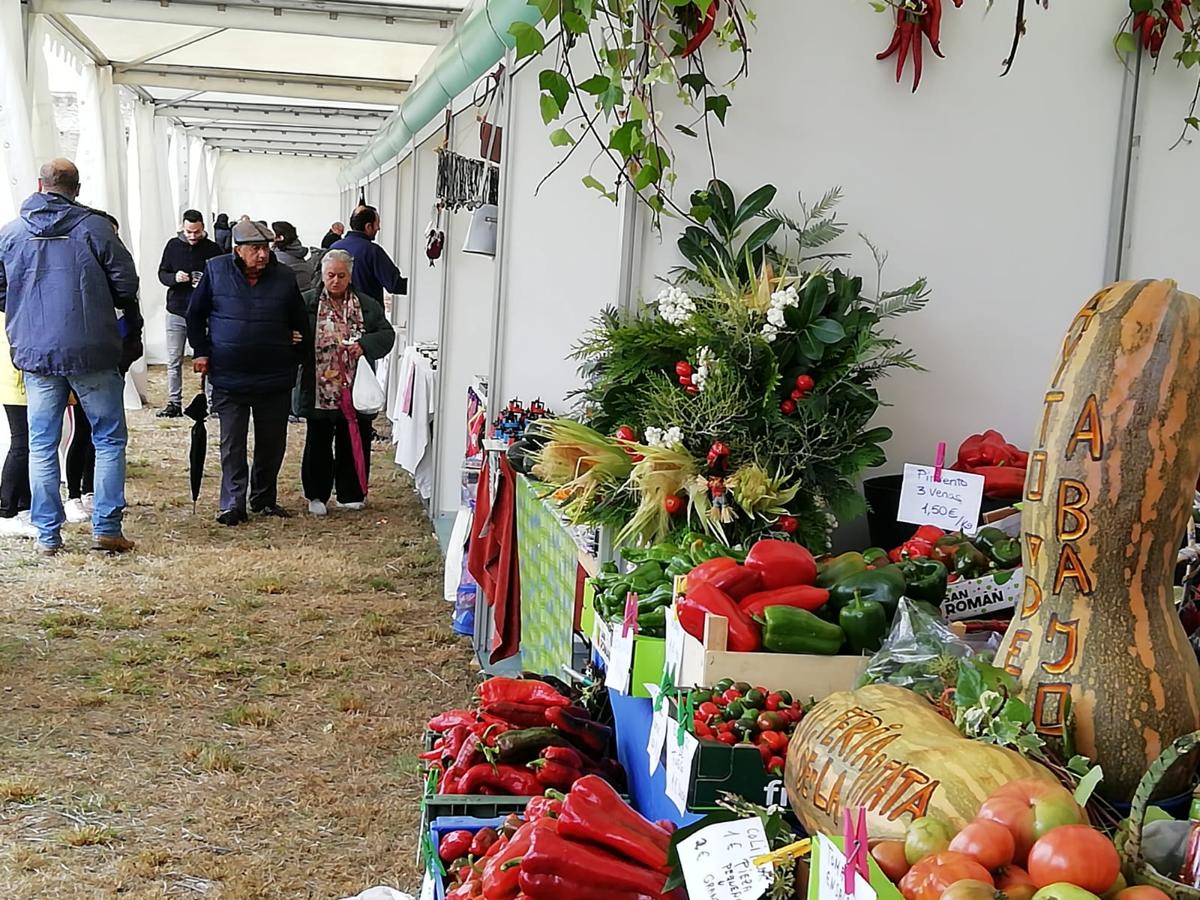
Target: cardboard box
column 803, row 675
column 981, row 598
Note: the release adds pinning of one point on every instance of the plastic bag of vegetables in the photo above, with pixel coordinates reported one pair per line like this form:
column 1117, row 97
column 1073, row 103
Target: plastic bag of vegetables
column 920, row 653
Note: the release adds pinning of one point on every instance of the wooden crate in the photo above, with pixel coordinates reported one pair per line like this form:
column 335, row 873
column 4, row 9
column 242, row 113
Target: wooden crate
column 803, row 675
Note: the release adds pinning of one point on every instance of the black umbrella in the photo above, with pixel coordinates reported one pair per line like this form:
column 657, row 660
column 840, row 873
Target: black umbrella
column 197, row 411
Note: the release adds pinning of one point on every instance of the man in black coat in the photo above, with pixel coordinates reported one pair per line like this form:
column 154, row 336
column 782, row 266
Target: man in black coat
column 183, row 262
column 248, row 324
column 333, row 235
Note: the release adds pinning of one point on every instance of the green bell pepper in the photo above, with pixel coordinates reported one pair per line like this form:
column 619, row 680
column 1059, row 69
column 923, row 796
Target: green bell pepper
column 647, row 577
column 970, row 561
column 679, row 565
column 609, row 568
column 658, row 598
column 787, row 629
column 885, row 586
column 925, row 579
column 875, row 556
column 662, row 553
column 1004, row 551
column 652, row 621
column 865, row 623
column 840, row 568
column 705, row 552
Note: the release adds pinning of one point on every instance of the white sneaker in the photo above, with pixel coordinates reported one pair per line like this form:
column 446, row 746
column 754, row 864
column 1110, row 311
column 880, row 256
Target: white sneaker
column 317, row 508
column 18, row 526
column 75, row 511
column 89, row 503
column 362, row 504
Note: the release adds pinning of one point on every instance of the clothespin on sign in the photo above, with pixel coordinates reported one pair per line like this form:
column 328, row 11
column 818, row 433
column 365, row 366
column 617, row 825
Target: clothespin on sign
column 689, row 713
column 797, row 850
column 629, row 622
column 939, row 461
column 666, row 687
column 855, row 835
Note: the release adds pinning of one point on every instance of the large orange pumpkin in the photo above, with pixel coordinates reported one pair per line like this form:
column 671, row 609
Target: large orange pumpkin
column 1097, row 644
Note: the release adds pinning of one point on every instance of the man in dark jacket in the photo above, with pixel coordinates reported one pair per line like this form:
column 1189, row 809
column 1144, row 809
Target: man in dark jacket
column 246, row 322
column 293, row 254
column 374, row 271
column 63, row 275
column 333, row 235
column 183, row 261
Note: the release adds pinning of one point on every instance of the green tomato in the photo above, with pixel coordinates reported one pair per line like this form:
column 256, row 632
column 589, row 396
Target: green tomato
column 734, row 710
column 754, row 698
column 723, row 685
column 926, row 836
column 1063, row 891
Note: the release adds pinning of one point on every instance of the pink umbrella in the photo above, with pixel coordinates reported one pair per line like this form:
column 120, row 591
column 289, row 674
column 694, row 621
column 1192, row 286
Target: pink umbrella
column 346, row 402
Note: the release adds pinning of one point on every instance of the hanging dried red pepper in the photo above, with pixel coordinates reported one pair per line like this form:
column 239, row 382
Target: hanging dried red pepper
column 915, row 23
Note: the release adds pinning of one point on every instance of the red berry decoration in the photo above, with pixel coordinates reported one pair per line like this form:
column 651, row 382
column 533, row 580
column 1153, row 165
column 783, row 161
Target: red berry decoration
column 692, row 389
column 805, row 383
column 625, row 433
column 798, row 395
column 683, row 368
column 787, row 407
column 788, row 524
column 685, row 380
column 673, row 504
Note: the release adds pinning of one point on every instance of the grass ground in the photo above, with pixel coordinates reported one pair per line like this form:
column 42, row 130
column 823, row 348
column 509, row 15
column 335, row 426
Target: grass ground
column 224, row 713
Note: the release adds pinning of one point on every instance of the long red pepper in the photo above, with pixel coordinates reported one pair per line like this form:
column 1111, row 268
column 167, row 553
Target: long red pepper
column 555, row 887
column 583, row 863
column 517, row 690
column 594, row 811
column 702, row 33
column 917, row 39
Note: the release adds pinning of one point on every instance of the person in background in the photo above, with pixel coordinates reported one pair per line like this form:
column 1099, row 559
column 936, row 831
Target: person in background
column 293, row 254
column 336, row 230
column 346, row 325
column 63, row 273
column 14, row 478
column 374, row 271
column 222, row 234
column 246, row 322
column 183, row 261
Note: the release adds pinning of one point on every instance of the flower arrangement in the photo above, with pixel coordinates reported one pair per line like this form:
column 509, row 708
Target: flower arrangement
column 741, row 398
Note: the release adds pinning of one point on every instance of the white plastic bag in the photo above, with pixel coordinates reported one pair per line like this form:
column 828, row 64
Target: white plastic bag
column 369, row 396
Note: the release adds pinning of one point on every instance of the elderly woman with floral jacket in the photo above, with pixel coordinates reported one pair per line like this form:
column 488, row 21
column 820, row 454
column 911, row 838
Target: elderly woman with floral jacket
column 346, row 325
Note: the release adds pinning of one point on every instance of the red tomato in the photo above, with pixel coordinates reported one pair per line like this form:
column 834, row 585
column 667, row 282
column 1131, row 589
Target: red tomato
column 774, row 740
column 775, row 767
column 988, row 842
column 969, row 889
column 1015, row 882
column 732, row 694
column 726, row 737
column 890, row 857
column 1077, row 854
column 774, row 701
column 1142, row 892
column 708, row 710
column 930, row 878
column 1030, row 808
column 625, row 433
column 765, row 751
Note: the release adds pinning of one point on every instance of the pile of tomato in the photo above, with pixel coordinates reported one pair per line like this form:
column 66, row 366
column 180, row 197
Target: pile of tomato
column 734, row 712
column 1030, row 841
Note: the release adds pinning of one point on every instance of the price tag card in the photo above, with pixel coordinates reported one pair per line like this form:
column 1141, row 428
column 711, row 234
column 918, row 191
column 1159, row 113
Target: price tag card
column 673, row 652
column 620, row 660
column 717, row 861
column 831, row 875
column 659, row 726
column 679, row 765
column 952, row 503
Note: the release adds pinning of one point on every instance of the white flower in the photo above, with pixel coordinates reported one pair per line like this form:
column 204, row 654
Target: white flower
column 674, row 305
column 700, row 375
column 673, row 436
column 785, row 298
column 657, row 437
column 654, row 436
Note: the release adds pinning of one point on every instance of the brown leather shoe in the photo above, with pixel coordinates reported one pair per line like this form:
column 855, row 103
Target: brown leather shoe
column 112, row 543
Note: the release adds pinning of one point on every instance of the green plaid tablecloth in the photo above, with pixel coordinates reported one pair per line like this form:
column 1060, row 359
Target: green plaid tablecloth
column 549, row 558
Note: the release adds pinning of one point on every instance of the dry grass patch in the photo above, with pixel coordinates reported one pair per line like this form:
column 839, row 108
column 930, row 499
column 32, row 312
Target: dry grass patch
column 349, row 702
column 89, row 836
column 18, row 790
column 213, row 758
column 92, row 699
column 382, row 624
column 67, row 619
column 259, row 715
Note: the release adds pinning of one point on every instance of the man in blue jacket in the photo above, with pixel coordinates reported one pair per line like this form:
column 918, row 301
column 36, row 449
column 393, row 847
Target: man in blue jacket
column 374, row 272
column 246, row 324
column 63, row 274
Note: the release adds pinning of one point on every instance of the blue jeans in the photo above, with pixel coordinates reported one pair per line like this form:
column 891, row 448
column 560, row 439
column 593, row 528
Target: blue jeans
column 101, row 394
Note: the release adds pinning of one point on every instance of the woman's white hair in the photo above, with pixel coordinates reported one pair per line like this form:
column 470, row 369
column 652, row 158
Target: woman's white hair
column 333, row 256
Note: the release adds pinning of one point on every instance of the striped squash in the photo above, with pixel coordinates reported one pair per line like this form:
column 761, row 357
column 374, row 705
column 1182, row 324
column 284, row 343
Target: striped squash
column 886, row 749
column 1096, row 643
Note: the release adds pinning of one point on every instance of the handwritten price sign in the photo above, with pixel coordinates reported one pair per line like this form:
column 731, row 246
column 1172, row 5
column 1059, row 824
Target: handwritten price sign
column 951, row 503
column 717, row 861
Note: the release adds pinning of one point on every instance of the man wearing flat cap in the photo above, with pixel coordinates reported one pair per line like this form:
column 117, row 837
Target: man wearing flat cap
column 247, row 325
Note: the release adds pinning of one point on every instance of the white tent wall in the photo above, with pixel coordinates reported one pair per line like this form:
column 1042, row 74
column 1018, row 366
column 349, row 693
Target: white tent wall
column 997, row 189
column 1163, row 242
column 151, row 223
column 424, row 280
column 466, row 346
column 102, row 151
column 298, row 189
column 18, row 171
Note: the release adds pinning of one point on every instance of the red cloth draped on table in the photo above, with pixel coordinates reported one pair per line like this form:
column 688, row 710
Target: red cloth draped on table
column 492, row 556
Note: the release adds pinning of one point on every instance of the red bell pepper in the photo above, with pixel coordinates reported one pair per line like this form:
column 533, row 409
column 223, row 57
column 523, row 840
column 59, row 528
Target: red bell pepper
column 1002, row 482
column 502, row 870
column 505, row 780
column 541, row 807
column 555, row 775
column 516, row 690
column 557, row 887
column 703, row 600
column 781, row 564
column 595, row 812
column 522, row 715
column 588, row 735
column 451, row 717
column 911, row 549
column 738, row 582
column 709, row 569
column 483, row 841
column 455, row 845
column 579, row 864
column 801, row 596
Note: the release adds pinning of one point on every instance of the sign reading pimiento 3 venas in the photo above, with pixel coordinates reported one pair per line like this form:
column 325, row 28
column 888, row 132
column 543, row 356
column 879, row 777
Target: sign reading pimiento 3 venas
column 1096, row 642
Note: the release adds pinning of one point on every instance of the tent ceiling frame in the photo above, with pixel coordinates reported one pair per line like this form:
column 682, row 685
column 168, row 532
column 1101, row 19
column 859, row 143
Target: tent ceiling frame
column 331, row 149
column 334, row 18
column 84, row 44
column 282, row 117
column 218, row 133
column 333, row 88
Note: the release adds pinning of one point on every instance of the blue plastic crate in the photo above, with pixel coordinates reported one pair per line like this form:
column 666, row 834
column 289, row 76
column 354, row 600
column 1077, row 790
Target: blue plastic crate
column 443, row 825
